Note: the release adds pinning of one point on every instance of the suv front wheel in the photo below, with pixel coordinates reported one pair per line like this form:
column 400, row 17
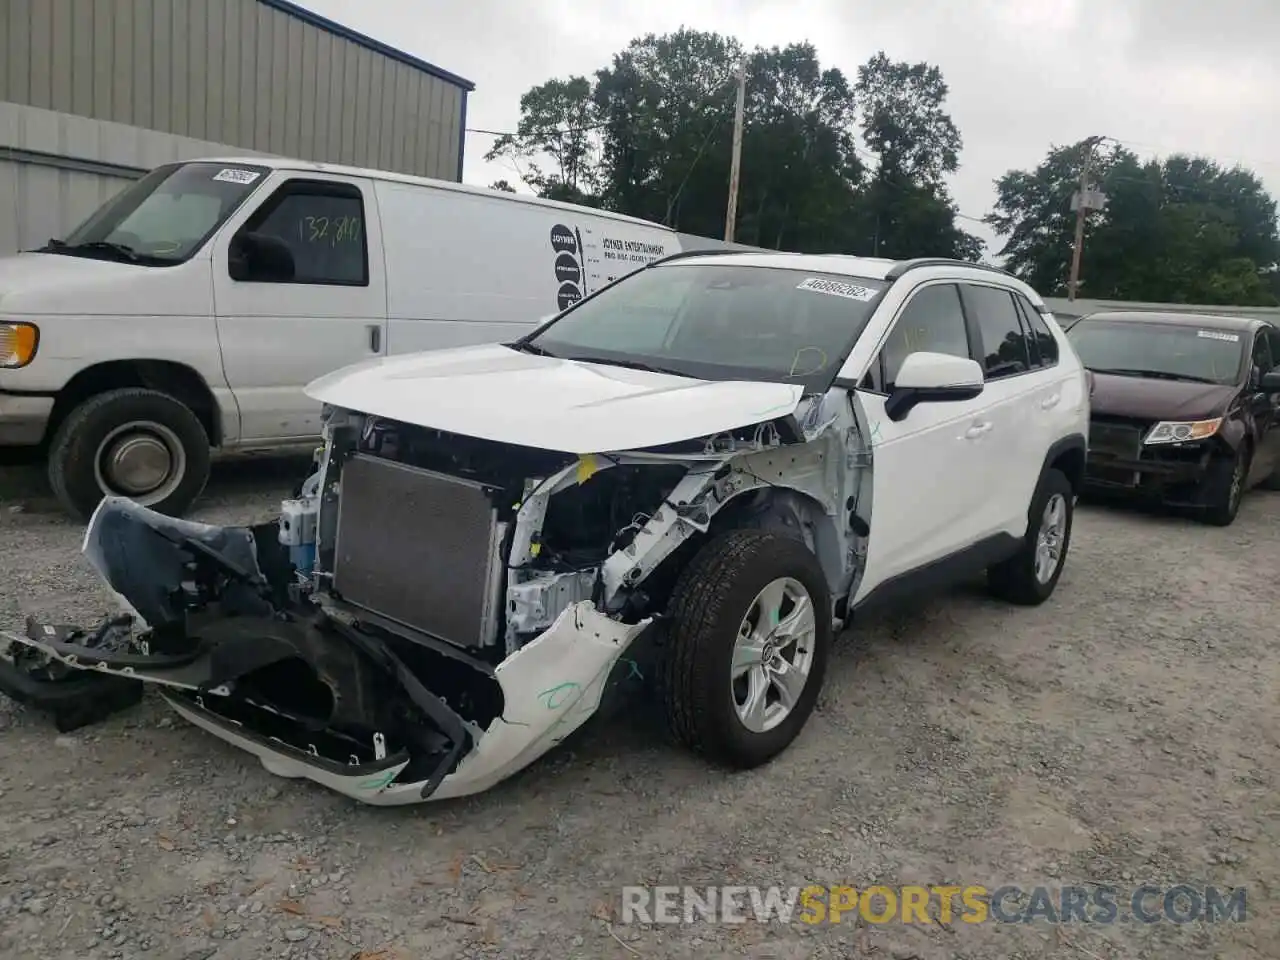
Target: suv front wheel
column 1029, row 577
column 747, row 649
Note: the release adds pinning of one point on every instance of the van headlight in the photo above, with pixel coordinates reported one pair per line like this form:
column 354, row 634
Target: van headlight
column 1182, row 431
column 18, row 344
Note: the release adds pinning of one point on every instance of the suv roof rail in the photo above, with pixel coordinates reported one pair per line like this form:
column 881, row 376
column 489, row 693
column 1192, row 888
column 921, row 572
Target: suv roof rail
column 904, row 266
column 700, row 252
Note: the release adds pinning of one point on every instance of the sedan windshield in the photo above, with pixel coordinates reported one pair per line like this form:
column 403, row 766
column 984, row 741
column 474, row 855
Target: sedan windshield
column 1158, row 350
column 718, row 322
column 163, row 218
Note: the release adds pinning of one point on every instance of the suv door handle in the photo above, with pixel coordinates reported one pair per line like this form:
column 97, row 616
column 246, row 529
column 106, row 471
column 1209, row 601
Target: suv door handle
column 977, row 430
column 1048, row 403
column 375, row 337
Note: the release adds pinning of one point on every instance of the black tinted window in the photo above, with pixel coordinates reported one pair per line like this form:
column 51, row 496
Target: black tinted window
column 931, row 321
column 1262, row 357
column 322, row 224
column 1044, row 348
column 1004, row 343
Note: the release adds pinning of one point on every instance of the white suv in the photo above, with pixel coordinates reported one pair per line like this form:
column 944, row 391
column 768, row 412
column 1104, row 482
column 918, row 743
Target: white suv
column 697, row 474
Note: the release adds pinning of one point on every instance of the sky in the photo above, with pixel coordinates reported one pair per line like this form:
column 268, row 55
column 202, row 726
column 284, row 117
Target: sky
column 1158, row 75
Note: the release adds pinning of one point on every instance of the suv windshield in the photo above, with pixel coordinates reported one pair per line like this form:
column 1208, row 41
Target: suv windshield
column 163, row 218
column 718, row 322
column 1160, row 350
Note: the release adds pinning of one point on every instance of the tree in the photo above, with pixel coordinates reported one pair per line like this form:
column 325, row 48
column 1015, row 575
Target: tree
column 906, row 210
column 1182, row 230
column 651, row 136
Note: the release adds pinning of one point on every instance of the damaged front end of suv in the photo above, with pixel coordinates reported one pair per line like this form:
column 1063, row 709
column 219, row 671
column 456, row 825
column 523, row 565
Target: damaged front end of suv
column 434, row 611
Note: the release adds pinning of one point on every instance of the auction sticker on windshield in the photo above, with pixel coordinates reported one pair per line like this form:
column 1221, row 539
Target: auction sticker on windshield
column 1218, row 335
column 837, row 289
column 231, row 175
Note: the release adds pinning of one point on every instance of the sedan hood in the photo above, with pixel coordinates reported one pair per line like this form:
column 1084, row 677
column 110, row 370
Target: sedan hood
column 495, row 393
column 1146, row 398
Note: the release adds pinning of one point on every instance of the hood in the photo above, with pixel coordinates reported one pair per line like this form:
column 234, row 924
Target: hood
column 1150, row 399
column 51, row 284
column 495, row 393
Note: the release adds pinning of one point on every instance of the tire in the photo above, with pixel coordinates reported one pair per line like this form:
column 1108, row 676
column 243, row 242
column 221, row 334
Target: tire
column 713, row 597
column 1016, row 580
column 1224, row 488
column 81, row 443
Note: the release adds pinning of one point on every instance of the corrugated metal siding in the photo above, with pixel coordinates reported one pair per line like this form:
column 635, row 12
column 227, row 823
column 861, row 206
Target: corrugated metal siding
column 56, row 169
column 235, row 72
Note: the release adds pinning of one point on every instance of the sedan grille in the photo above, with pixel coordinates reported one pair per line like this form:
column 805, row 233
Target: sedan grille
column 419, row 548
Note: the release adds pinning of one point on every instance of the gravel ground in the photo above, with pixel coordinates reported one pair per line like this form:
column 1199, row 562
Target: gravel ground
column 1125, row 732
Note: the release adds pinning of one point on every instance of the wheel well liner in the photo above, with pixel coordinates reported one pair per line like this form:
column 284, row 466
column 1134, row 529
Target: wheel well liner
column 1068, row 456
column 175, row 379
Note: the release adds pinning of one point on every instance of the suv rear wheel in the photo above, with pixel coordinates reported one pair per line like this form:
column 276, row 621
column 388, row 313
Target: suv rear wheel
column 1029, row 577
column 747, row 650
column 135, row 443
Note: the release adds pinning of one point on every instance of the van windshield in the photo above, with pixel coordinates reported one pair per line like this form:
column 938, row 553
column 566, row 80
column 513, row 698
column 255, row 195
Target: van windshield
column 718, row 322
column 165, row 217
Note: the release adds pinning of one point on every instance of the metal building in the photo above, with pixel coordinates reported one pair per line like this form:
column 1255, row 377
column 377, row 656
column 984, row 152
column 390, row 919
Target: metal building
column 95, row 92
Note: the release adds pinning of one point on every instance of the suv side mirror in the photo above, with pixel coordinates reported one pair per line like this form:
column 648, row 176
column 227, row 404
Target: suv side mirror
column 257, row 256
column 1270, row 382
column 926, row 377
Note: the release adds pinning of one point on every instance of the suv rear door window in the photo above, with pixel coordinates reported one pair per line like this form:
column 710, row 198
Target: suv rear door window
column 1004, row 342
column 1044, row 347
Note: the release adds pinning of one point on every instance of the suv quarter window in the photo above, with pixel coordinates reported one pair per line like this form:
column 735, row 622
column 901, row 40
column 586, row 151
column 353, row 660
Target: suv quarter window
column 933, row 320
column 1044, row 346
column 1004, row 348
column 322, row 224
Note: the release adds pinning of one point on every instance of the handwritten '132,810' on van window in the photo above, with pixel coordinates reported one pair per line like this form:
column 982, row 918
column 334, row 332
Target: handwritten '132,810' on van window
column 329, row 230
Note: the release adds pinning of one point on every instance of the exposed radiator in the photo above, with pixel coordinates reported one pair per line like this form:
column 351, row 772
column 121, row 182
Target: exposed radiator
column 420, row 548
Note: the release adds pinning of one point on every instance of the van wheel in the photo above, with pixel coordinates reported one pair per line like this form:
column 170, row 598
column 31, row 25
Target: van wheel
column 140, row 444
column 1029, row 577
column 1224, row 488
column 747, row 648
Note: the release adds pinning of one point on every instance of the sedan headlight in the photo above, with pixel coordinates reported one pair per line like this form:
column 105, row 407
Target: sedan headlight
column 1182, row 431
column 18, row 343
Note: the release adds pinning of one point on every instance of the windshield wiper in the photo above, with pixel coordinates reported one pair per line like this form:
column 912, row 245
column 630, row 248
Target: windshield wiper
column 630, row 365
column 524, row 346
column 1153, row 374
column 122, row 250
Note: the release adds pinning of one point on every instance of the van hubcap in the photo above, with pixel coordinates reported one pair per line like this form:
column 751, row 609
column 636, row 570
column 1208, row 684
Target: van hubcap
column 144, row 461
column 773, row 655
column 1053, row 528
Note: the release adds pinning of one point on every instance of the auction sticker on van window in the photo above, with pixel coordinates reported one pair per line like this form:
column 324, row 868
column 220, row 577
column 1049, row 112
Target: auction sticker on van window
column 232, row 175
column 1218, row 335
column 837, row 289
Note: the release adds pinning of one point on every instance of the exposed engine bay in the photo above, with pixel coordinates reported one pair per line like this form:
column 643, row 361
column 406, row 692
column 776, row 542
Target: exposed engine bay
column 432, row 612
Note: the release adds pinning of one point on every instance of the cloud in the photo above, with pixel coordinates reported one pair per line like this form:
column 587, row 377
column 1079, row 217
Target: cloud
column 1160, row 75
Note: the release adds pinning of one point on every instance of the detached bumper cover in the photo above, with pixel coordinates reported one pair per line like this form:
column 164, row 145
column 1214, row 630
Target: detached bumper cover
column 1173, row 475
column 172, row 574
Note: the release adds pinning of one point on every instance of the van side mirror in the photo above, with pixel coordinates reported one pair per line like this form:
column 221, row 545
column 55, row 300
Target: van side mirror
column 927, row 377
column 1270, row 382
column 260, row 257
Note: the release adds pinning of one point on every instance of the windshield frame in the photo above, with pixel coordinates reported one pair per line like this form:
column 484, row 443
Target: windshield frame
column 121, row 206
column 1186, row 327
column 818, row 383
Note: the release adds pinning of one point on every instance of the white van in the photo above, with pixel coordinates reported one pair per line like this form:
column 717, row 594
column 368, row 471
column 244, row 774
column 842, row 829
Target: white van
column 189, row 312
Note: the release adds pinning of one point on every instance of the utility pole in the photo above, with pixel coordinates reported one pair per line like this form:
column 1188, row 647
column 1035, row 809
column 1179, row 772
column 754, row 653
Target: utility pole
column 731, row 215
column 1084, row 201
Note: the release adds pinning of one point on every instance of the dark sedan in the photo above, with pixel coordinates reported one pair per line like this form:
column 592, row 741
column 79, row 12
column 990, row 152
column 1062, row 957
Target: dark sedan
column 1186, row 408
